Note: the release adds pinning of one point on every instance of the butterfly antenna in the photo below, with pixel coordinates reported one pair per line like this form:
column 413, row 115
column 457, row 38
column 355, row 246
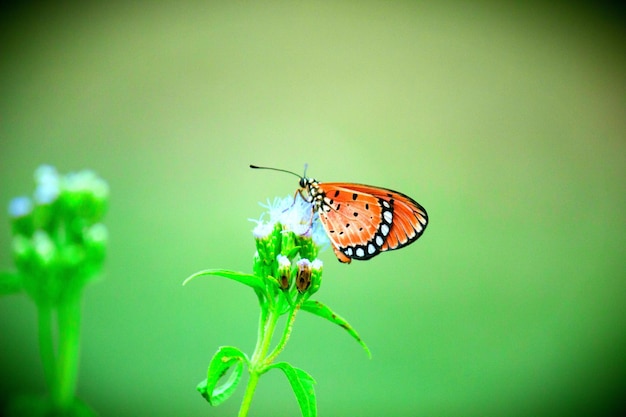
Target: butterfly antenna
column 306, row 166
column 276, row 169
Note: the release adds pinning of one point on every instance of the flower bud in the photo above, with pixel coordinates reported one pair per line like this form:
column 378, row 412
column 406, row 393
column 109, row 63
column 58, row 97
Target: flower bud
column 22, row 249
column 21, row 214
column 288, row 243
column 303, row 279
column 45, row 249
column 48, row 185
column 96, row 239
column 284, row 272
column 308, row 248
column 316, row 276
column 85, row 195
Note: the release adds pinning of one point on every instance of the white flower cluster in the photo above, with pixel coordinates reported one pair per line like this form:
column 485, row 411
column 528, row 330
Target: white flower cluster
column 295, row 215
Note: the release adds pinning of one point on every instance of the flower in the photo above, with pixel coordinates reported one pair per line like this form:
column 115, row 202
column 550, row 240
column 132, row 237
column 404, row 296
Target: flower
column 20, row 207
column 48, row 184
column 262, row 230
column 57, row 234
column 295, row 215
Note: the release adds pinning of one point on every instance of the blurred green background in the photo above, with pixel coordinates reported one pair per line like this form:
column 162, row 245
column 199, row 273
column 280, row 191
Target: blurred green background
column 506, row 120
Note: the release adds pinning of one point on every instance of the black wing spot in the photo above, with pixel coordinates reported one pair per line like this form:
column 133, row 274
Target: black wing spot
column 336, row 193
column 367, row 206
column 347, row 224
column 355, row 214
column 338, row 205
column 354, row 196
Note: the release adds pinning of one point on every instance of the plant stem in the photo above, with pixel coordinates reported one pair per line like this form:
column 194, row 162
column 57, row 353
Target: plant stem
column 46, row 348
column 287, row 332
column 68, row 316
column 258, row 362
column 247, row 398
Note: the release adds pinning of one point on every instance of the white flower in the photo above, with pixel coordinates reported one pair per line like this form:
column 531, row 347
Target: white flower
column 317, row 264
column 48, row 184
column 295, row 215
column 283, row 261
column 20, row 207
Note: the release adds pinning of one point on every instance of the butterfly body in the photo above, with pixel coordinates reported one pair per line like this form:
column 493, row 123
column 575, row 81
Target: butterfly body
column 362, row 221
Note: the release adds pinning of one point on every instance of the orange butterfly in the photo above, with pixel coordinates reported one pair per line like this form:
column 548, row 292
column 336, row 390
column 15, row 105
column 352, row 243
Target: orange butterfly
column 362, row 221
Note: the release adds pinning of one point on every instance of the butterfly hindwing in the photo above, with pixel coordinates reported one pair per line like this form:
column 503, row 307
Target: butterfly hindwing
column 410, row 218
column 362, row 221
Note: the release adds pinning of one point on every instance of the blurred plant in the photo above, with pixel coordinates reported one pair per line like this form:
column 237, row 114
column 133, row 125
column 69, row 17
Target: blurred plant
column 58, row 246
column 286, row 273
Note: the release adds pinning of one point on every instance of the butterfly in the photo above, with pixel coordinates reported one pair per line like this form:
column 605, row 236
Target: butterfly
column 362, row 221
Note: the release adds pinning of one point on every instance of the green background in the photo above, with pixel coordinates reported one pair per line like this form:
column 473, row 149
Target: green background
column 507, row 121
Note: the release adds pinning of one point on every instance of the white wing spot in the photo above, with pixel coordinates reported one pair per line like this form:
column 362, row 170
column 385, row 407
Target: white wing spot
column 384, row 229
column 360, row 252
column 349, row 252
column 371, row 249
column 379, row 240
column 388, row 216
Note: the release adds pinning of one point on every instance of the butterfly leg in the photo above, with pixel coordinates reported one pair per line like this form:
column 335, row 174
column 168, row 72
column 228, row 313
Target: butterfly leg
column 295, row 195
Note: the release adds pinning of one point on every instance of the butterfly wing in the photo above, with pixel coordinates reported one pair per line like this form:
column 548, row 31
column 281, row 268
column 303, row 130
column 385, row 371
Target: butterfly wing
column 363, row 221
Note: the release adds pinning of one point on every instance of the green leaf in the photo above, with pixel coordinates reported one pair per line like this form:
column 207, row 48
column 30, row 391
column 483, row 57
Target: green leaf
column 302, row 385
column 10, row 283
column 250, row 280
column 323, row 311
column 225, row 358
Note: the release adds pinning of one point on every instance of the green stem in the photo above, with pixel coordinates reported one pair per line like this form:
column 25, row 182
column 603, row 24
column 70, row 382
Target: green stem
column 68, row 317
column 260, row 333
column 257, row 363
column 46, row 348
column 287, row 332
column 247, row 398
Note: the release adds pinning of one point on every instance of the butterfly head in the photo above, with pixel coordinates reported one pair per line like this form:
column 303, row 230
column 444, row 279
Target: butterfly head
column 309, row 187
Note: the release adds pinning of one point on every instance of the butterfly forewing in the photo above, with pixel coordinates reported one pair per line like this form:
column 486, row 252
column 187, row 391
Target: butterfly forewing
column 362, row 221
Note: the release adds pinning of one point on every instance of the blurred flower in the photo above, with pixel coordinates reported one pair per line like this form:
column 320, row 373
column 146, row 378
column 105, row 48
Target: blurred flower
column 57, row 235
column 44, row 247
column 20, row 207
column 48, row 184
